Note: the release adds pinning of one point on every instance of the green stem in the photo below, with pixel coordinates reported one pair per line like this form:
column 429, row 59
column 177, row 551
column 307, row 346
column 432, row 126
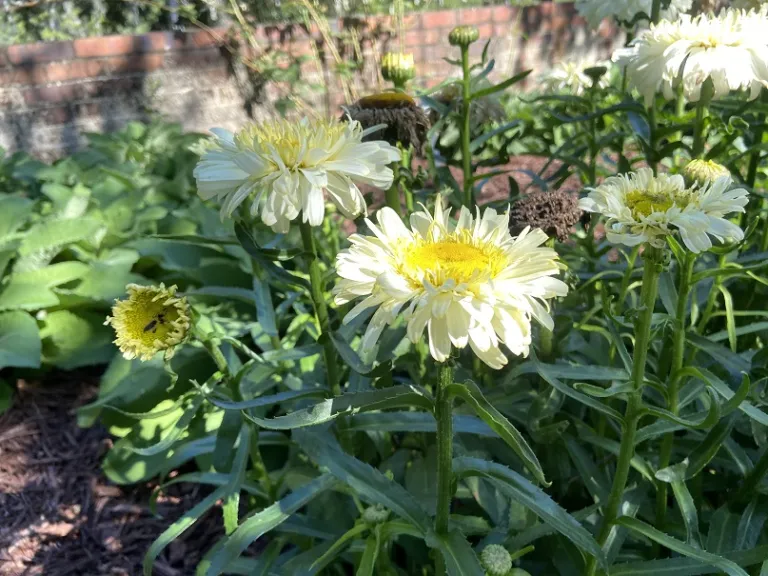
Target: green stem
column 317, row 293
column 752, row 481
column 405, row 164
column 651, row 272
column 698, row 134
column 709, row 307
column 392, row 195
column 466, row 154
column 678, row 356
column 259, row 469
column 655, row 11
column 444, row 419
column 754, row 164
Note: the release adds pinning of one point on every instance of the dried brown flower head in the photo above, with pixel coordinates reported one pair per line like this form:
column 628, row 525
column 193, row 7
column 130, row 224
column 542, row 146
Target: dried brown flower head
column 554, row 212
column 405, row 121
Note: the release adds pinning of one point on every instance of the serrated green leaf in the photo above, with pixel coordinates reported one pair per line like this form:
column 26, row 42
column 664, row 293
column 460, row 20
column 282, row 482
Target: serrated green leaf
column 71, row 340
column 340, row 544
column 17, row 295
column 472, row 395
column 370, row 484
column 460, row 559
column 370, row 554
column 14, row 211
column 727, row 566
column 191, row 516
column 521, row 490
column 394, row 397
column 53, row 275
column 53, row 234
column 259, row 523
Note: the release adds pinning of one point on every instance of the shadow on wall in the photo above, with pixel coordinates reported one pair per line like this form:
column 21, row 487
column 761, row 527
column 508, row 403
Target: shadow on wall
column 51, row 108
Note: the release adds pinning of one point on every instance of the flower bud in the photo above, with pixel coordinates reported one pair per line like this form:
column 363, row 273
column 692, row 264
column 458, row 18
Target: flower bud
column 702, row 171
column 496, row 560
column 463, row 36
column 375, row 514
column 397, row 68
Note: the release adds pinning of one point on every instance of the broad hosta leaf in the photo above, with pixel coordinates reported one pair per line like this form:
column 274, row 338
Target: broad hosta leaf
column 370, row 484
column 14, row 210
column 260, row 523
column 727, row 566
column 53, row 234
column 53, row 275
column 19, row 341
column 521, row 490
column 18, row 295
column 471, row 393
column 72, row 340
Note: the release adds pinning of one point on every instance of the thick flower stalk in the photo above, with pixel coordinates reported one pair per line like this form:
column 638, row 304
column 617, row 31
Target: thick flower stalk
column 729, row 48
column 641, row 207
column 284, row 168
column 152, row 319
column 468, row 283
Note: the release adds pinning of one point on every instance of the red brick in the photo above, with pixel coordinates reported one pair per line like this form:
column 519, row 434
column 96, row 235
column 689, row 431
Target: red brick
column 27, row 54
column 50, row 94
column 441, row 19
column 66, row 71
column 17, row 75
column 210, row 57
column 205, row 38
column 475, row 15
column 104, row 46
column 504, row 13
column 486, row 31
column 135, row 63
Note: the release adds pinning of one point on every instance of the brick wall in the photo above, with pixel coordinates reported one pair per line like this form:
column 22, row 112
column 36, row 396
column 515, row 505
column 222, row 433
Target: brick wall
column 52, row 93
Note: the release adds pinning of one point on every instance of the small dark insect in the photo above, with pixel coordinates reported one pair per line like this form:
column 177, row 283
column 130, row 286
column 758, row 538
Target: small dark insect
column 152, row 326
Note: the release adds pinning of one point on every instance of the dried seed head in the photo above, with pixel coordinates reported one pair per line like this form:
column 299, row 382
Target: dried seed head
column 496, row 560
column 406, row 123
column 554, row 212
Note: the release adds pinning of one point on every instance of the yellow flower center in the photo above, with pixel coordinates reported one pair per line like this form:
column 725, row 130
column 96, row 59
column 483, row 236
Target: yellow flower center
column 149, row 321
column 454, row 258
column 291, row 140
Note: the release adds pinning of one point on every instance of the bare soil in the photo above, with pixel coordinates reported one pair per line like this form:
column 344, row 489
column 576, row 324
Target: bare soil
column 59, row 515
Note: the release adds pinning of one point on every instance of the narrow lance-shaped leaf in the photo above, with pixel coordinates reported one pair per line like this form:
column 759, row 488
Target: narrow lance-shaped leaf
column 727, row 566
column 472, row 395
column 191, row 516
column 395, row 397
column 522, row 491
column 262, row 522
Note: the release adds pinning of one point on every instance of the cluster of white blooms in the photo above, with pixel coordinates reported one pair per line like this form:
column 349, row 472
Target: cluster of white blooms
column 731, row 48
column 595, row 11
column 643, row 208
column 569, row 76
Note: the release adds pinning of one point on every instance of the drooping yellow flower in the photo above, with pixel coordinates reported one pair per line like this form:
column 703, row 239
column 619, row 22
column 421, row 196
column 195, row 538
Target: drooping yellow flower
column 151, row 319
column 702, row 171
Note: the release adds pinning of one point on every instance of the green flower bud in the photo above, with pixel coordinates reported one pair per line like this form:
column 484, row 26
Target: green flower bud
column 463, row 36
column 496, row 560
column 375, row 514
column 397, row 68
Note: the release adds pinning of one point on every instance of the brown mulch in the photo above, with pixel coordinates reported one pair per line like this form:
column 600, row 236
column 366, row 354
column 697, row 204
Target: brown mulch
column 59, row 515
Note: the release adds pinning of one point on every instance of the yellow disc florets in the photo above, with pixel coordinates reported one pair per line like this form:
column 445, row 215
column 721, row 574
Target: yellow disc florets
column 151, row 319
column 702, row 171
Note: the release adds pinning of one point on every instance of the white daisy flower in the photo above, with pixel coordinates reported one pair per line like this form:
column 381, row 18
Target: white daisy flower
column 730, row 48
column 570, row 77
column 285, row 166
column 595, row 11
column 641, row 207
column 468, row 283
